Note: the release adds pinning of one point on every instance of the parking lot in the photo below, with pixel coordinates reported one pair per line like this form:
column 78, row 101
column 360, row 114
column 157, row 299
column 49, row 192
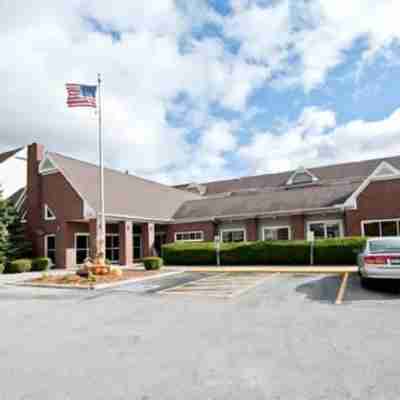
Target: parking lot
column 271, row 336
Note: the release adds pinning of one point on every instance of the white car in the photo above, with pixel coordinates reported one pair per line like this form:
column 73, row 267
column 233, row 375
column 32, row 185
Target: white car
column 380, row 259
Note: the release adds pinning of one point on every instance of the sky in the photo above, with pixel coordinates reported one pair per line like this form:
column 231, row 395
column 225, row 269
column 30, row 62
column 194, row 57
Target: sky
column 202, row 90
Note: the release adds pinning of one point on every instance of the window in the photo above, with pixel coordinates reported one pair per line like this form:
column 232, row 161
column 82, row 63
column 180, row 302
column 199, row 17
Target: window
column 276, row 233
column 50, row 247
column 301, row 176
column 48, row 213
column 233, row 235
column 137, row 242
column 189, row 236
column 378, row 228
column 112, row 247
column 47, row 167
column 82, row 247
column 326, row 229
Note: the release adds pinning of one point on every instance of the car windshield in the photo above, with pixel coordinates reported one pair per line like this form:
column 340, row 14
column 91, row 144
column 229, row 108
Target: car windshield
column 384, row 245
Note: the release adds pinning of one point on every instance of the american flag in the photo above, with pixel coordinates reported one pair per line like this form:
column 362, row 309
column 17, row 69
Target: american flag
column 81, row 95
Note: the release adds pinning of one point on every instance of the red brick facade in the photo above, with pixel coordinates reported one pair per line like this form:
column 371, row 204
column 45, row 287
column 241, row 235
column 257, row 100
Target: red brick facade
column 380, row 200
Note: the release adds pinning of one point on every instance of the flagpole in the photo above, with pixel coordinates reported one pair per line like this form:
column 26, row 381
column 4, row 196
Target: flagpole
column 101, row 221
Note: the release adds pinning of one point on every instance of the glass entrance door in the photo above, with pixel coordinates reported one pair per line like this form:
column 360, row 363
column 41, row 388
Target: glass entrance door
column 137, row 242
column 112, row 247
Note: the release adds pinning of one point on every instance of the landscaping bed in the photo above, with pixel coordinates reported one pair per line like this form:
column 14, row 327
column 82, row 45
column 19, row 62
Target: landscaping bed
column 74, row 281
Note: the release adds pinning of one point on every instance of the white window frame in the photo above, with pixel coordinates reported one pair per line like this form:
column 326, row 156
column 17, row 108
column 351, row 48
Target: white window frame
column 75, row 245
column 114, row 248
column 288, row 227
column 325, row 222
column 46, row 210
column 46, row 245
column 47, row 171
column 233, row 230
column 189, row 233
column 374, row 221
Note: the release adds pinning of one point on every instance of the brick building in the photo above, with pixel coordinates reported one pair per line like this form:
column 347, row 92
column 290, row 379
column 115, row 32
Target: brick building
column 61, row 203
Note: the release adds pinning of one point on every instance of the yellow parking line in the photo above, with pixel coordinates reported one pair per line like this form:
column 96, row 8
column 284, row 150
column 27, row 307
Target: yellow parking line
column 342, row 288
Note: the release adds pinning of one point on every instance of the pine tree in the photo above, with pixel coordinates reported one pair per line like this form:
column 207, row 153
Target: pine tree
column 18, row 245
column 4, row 222
column 13, row 243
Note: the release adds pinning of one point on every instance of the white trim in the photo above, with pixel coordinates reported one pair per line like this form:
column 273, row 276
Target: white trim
column 325, row 222
column 189, row 233
column 23, row 217
column 20, row 200
column 221, row 232
column 47, row 171
column 301, row 170
column 48, row 210
column 46, row 245
column 75, row 244
column 288, row 227
column 136, row 218
column 352, row 200
column 374, row 221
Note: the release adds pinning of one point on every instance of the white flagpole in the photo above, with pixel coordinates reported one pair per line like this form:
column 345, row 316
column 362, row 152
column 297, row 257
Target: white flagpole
column 101, row 221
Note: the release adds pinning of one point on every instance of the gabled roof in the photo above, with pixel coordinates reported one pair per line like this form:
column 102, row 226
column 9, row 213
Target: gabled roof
column 125, row 195
column 350, row 170
column 8, row 154
column 272, row 201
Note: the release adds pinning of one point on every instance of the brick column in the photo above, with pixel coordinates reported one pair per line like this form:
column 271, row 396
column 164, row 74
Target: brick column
column 298, row 227
column 125, row 243
column 251, row 230
column 148, row 237
column 34, row 198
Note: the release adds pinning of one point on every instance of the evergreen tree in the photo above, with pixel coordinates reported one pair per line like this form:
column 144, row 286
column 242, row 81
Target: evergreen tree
column 13, row 243
column 4, row 222
column 18, row 245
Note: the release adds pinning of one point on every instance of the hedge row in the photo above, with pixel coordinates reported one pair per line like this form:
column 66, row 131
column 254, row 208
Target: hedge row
column 326, row 252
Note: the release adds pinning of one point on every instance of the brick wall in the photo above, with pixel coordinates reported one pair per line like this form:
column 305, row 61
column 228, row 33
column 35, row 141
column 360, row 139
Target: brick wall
column 297, row 223
column 380, row 200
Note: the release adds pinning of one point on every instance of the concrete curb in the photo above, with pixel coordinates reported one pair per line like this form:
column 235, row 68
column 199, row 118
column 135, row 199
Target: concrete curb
column 94, row 287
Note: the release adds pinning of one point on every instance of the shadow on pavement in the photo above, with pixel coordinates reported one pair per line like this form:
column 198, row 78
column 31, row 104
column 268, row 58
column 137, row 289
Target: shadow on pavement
column 324, row 289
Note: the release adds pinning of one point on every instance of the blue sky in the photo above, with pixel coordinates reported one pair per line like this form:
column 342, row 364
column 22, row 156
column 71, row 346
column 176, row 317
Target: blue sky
column 208, row 89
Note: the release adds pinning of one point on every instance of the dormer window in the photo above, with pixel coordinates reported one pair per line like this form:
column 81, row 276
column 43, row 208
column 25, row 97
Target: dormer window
column 48, row 213
column 302, row 176
column 47, row 166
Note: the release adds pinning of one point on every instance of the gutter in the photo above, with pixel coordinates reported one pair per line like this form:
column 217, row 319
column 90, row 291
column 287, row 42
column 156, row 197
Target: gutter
column 309, row 211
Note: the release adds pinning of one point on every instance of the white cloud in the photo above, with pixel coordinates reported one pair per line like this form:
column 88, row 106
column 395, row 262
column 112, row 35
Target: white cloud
column 315, row 139
column 333, row 27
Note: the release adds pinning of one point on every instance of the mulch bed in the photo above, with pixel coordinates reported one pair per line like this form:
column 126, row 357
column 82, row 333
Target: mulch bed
column 75, row 280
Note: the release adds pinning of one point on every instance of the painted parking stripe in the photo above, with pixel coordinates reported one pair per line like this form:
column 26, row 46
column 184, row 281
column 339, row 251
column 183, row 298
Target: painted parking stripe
column 221, row 285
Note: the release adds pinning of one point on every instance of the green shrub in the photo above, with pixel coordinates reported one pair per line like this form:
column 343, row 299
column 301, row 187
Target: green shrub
column 1, row 268
column 189, row 253
column 326, row 252
column 338, row 251
column 151, row 263
column 17, row 266
column 41, row 264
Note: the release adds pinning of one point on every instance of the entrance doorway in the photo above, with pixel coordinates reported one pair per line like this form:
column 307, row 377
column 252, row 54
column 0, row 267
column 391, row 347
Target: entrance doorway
column 82, row 248
column 112, row 247
column 160, row 239
column 50, row 247
column 137, row 242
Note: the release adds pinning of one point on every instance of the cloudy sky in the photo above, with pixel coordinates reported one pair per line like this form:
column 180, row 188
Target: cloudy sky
column 199, row 90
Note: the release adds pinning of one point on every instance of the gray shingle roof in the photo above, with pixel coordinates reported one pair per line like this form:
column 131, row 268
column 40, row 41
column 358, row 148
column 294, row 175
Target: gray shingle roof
column 6, row 155
column 359, row 169
column 279, row 200
column 124, row 194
